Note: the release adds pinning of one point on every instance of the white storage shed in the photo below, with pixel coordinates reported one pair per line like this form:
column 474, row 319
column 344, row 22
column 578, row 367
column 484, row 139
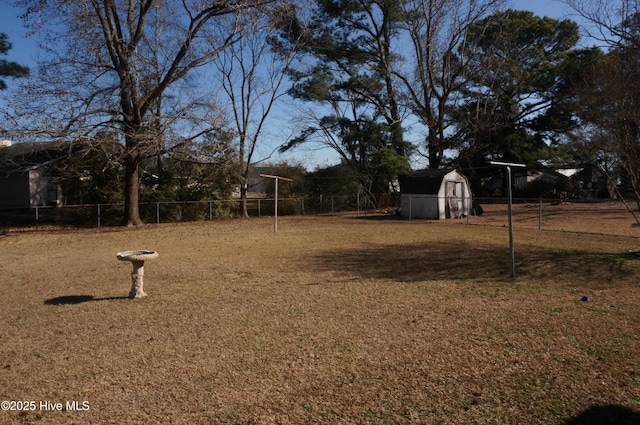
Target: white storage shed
column 435, row 194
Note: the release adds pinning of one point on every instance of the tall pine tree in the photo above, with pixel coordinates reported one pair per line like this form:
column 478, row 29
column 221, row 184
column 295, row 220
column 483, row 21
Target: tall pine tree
column 9, row 69
column 347, row 69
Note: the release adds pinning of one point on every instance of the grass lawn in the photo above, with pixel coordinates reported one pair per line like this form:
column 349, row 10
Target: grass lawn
column 332, row 320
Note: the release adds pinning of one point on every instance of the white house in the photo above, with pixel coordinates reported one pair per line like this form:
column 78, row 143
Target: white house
column 28, row 188
column 435, row 194
column 23, row 179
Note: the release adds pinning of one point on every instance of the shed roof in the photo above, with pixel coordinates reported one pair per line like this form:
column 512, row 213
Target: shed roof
column 424, row 181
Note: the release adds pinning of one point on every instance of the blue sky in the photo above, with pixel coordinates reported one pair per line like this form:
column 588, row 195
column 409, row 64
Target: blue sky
column 23, row 52
column 10, row 24
column 23, row 48
column 551, row 8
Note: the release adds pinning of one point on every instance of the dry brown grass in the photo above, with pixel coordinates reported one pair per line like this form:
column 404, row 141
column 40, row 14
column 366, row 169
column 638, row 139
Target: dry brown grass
column 332, row 320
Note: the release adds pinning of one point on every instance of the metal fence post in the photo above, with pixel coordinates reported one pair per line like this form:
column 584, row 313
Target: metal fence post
column 540, row 215
column 468, row 214
column 98, row 215
column 157, row 212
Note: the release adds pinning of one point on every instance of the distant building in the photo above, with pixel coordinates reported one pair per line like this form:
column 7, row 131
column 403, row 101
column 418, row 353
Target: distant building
column 257, row 185
column 23, row 175
column 28, row 189
column 544, row 181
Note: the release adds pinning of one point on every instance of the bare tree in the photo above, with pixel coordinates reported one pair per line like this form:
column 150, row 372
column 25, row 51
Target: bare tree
column 252, row 76
column 610, row 99
column 110, row 65
column 612, row 23
column 438, row 31
column 610, row 104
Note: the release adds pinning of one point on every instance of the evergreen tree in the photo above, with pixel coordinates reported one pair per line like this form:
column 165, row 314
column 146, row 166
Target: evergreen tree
column 519, row 74
column 349, row 44
column 9, row 69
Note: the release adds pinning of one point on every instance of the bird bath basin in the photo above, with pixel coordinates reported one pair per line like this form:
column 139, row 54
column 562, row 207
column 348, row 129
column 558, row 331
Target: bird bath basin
column 137, row 259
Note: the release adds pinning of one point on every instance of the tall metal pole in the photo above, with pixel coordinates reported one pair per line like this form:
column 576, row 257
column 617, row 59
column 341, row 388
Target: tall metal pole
column 275, row 220
column 275, row 217
column 508, row 165
column 509, row 202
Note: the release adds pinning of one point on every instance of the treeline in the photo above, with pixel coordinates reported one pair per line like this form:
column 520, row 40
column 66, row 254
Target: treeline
column 172, row 100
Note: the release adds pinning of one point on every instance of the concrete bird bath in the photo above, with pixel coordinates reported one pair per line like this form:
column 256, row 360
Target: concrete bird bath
column 137, row 258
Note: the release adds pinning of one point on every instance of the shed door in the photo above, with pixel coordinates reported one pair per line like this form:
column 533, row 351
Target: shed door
column 452, row 199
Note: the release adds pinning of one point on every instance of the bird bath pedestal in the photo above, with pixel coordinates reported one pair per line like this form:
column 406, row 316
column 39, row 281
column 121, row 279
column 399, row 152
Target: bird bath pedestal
column 137, row 258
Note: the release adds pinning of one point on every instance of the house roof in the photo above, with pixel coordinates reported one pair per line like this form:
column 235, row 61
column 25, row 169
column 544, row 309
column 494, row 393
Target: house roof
column 424, row 181
column 22, row 157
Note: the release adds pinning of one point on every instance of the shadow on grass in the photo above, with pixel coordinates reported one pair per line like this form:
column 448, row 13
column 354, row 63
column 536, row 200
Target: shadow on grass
column 461, row 260
column 380, row 217
column 606, row 415
column 78, row 299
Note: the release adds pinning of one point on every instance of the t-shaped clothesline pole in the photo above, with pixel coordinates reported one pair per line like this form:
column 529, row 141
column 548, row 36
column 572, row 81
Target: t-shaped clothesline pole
column 275, row 217
column 508, row 165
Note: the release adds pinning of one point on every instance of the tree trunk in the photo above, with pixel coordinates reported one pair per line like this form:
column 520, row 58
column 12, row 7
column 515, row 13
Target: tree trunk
column 244, row 173
column 244, row 213
column 434, row 147
column 131, row 186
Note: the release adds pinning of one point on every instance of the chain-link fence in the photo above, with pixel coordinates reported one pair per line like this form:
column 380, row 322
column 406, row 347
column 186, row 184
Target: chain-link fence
column 606, row 216
column 104, row 215
column 595, row 216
